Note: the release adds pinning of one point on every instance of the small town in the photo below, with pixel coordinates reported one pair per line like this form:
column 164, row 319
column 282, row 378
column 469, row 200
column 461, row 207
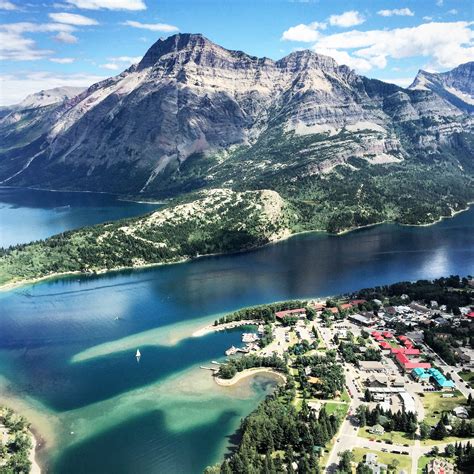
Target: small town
column 405, row 399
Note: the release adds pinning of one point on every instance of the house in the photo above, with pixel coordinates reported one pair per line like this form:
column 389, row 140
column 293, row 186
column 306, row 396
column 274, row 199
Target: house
column 377, row 430
column 440, row 380
column 298, row 313
column 421, row 375
column 418, row 307
column 439, row 466
column 372, row 462
column 387, row 334
column 461, row 412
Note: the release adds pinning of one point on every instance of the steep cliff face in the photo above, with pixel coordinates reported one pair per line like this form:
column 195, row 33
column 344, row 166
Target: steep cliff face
column 164, row 126
column 455, row 86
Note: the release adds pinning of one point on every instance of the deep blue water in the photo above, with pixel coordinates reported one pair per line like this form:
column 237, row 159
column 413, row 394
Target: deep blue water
column 27, row 215
column 179, row 428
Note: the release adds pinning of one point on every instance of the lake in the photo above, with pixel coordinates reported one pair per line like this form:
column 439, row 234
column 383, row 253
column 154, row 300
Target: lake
column 67, row 346
column 28, row 214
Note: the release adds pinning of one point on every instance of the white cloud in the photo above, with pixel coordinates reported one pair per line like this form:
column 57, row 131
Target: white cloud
column 120, row 62
column 303, row 33
column 62, row 60
column 396, row 12
column 72, row 19
column 15, row 46
column 5, row 5
column 152, row 26
column 445, row 44
column 347, row 19
column 453, row 11
column 400, row 81
column 109, row 4
column 343, row 57
column 110, row 66
column 126, row 59
column 65, row 37
column 15, row 87
column 427, row 18
column 439, row 3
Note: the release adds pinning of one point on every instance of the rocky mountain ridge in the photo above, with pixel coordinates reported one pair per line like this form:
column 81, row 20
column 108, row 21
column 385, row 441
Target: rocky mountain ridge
column 189, row 97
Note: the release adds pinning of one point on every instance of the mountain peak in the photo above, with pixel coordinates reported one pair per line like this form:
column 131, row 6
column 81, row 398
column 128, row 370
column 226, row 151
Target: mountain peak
column 174, row 44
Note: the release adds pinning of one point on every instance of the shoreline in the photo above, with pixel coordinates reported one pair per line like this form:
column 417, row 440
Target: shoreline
column 248, row 373
column 222, row 327
column 35, row 467
column 31, row 281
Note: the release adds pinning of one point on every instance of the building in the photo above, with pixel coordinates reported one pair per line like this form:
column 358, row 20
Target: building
column 297, row 313
column 420, row 375
column 371, row 365
column 377, row 380
column 360, row 319
column 461, row 412
column 440, row 380
column 407, row 365
column 377, row 430
column 440, row 466
column 371, row 460
column 408, row 402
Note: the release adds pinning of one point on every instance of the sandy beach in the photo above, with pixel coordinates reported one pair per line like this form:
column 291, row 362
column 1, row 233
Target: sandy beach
column 35, row 468
column 222, row 327
column 249, row 373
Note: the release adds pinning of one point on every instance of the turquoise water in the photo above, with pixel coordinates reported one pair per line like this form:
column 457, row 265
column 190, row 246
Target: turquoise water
column 27, row 215
column 67, row 346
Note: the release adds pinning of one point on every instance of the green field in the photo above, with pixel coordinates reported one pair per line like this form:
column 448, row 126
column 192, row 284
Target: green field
column 339, row 409
column 396, row 437
column 435, row 405
column 467, row 377
column 385, row 458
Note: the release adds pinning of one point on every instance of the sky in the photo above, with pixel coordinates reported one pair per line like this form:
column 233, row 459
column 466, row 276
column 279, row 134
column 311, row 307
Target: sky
column 51, row 43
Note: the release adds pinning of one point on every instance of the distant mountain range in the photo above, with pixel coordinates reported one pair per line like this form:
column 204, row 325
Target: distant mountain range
column 193, row 115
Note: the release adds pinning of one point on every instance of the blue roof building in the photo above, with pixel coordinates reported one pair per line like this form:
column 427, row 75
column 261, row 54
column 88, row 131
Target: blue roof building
column 440, row 380
column 420, row 374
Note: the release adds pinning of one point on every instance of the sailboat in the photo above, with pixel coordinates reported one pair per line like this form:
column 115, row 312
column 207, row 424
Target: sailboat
column 138, row 355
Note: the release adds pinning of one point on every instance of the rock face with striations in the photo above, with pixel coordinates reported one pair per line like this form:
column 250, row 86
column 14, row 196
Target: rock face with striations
column 455, row 86
column 189, row 98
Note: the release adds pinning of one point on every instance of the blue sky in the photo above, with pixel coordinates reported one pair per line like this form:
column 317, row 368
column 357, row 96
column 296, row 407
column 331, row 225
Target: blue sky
column 46, row 43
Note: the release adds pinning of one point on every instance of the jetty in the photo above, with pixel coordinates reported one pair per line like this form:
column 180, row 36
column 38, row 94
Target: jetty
column 233, row 350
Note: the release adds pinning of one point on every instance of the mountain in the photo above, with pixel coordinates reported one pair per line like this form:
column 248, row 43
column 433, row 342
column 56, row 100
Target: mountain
column 341, row 149
column 455, row 86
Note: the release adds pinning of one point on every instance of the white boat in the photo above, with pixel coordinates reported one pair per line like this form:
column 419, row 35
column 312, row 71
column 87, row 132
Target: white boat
column 138, row 355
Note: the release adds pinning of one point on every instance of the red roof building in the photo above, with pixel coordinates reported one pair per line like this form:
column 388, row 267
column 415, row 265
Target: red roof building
column 402, row 338
column 290, row 312
column 407, row 364
column 375, row 333
column 357, row 302
column 470, row 314
column 385, row 345
column 346, row 306
column 333, row 310
column 408, row 343
column 387, row 334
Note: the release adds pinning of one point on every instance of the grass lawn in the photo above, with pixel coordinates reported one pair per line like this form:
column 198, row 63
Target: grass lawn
column 345, row 397
column 338, row 409
column 448, row 439
column 422, row 462
column 435, row 404
column 384, row 458
column 397, row 437
column 468, row 377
